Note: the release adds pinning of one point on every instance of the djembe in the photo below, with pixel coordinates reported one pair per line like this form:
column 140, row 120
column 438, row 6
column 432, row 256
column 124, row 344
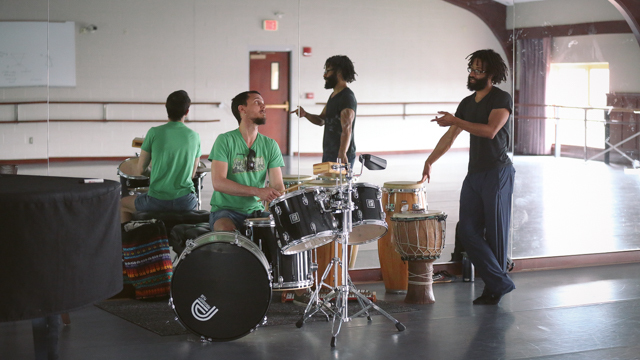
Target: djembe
column 419, row 239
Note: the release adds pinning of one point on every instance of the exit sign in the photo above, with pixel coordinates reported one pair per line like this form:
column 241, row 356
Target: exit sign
column 270, row 25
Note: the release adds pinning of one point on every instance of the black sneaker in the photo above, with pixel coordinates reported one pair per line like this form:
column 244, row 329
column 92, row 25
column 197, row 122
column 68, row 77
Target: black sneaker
column 443, row 277
column 487, row 299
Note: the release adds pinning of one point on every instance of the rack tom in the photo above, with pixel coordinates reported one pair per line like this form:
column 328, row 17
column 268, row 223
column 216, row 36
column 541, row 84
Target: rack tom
column 301, row 221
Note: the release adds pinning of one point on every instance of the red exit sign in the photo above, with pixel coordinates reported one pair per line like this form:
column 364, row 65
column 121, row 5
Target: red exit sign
column 270, row 25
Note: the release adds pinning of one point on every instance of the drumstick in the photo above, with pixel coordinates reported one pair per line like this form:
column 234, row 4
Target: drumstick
column 292, row 188
column 286, row 190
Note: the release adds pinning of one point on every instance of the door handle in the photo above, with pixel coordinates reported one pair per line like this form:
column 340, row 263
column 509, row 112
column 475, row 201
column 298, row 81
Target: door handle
column 284, row 106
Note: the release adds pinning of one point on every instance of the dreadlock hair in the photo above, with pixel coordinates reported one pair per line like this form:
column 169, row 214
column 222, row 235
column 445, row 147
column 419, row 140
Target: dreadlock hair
column 343, row 64
column 492, row 63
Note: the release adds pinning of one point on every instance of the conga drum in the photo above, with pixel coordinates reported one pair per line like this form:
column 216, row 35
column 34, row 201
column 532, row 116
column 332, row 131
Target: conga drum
column 419, row 239
column 397, row 196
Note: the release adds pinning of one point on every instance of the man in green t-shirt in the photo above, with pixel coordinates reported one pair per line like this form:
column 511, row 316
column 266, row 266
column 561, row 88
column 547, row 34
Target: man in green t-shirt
column 240, row 162
column 175, row 151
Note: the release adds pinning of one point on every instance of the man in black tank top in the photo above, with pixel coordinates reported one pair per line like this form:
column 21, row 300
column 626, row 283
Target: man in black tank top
column 485, row 198
column 339, row 115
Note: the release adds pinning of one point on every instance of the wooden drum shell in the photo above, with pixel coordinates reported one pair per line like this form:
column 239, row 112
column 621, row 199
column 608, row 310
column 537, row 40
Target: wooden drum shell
column 395, row 196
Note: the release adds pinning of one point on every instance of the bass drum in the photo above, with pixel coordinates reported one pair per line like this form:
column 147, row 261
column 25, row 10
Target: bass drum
column 221, row 286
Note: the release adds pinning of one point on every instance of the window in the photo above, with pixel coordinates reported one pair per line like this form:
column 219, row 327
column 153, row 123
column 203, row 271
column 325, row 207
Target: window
column 576, row 88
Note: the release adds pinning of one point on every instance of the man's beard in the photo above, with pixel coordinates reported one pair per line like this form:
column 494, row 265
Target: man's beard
column 331, row 81
column 478, row 85
column 260, row 120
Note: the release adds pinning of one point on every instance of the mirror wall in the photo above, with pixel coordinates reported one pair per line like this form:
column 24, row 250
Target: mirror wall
column 578, row 58
column 410, row 60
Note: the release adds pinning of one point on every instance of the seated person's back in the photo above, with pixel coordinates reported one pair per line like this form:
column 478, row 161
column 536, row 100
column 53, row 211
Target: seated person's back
column 175, row 152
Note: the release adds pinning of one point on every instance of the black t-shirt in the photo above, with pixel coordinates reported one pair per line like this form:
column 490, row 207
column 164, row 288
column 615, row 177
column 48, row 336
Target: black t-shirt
column 486, row 154
column 345, row 99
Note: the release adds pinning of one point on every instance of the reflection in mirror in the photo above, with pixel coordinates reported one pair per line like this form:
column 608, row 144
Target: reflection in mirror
column 23, row 83
column 576, row 142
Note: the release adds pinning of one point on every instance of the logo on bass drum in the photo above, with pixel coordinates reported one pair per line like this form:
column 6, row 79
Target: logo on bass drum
column 202, row 311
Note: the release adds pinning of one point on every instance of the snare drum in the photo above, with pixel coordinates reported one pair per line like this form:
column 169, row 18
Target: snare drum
column 139, row 191
column 221, row 286
column 295, row 180
column 396, row 197
column 301, row 221
column 126, row 169
column 419, row 239
column 335, row 178
column 289, row 272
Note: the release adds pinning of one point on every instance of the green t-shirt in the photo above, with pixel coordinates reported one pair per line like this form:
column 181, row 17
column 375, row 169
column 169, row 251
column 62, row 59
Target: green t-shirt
column 174, row 149
column 231, row 148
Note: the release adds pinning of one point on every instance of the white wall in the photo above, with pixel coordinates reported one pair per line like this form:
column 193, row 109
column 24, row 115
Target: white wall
column 407, row 50
column 560, row 12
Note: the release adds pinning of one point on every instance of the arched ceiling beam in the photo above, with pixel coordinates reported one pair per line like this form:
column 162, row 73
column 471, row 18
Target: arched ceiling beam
column 495, row 16
column 630, row 10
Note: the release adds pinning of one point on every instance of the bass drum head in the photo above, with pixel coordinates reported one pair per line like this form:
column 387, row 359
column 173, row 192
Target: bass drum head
column 221, row 290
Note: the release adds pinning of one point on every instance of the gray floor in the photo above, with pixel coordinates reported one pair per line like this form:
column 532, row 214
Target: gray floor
column 588, row 313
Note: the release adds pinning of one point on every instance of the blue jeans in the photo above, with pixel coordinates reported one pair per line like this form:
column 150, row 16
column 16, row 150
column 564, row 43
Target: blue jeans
column 188, row 202
column 485, row 214
column 238, row 218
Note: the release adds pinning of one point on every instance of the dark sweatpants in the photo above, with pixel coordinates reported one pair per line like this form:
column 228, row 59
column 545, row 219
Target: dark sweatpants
column 485, row 213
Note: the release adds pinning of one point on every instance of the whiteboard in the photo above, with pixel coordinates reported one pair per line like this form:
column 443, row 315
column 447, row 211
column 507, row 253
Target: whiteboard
column 23, row 54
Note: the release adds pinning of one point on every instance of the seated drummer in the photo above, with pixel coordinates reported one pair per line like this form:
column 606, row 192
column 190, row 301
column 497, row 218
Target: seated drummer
column 175, row 151
column 240, row 162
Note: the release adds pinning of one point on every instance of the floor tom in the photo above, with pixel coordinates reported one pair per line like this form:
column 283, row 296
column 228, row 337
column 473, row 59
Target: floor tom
column 289, row 272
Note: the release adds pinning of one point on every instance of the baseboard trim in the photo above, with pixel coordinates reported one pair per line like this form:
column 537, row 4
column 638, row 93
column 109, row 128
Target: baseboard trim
column 523, row 264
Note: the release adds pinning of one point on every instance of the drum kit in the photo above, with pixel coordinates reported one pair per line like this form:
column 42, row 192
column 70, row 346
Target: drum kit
column 341, row 212
column 139, row 184
column 223, row 281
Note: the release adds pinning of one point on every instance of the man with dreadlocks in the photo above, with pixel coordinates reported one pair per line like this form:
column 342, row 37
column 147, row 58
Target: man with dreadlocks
column 485, row 198
column 339, row 115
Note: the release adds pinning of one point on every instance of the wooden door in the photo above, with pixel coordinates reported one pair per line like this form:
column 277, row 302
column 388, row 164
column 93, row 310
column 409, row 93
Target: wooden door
column 269, row 74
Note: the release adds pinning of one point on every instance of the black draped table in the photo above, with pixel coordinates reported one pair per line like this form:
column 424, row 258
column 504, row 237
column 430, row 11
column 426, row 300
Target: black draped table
column 61, row 246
